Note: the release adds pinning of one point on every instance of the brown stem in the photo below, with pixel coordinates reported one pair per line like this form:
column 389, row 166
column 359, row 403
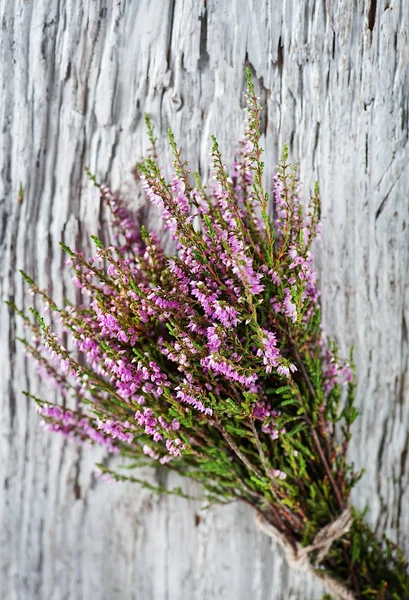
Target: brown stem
column 238, row 452
column 252, row 468
column 289, row 515
column 261, row 451
column 327, row 469
column 353, row 575
column 314, row 433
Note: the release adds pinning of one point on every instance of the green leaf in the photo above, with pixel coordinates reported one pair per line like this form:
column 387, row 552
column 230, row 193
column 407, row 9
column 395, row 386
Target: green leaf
column 67, row 249
column 26, row 278
column 39, row 318
column 297, row 429
column 291, row 402
column 97, row 242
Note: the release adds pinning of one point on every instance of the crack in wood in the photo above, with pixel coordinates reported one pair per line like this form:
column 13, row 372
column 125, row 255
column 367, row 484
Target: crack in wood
column 372, row 15
column 204, row 56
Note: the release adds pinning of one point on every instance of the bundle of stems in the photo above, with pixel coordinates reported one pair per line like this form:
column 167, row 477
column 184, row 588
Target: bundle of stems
column 212, row 362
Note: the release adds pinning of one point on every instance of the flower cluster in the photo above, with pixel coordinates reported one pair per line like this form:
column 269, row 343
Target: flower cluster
column 179, row 357
column 212, row 361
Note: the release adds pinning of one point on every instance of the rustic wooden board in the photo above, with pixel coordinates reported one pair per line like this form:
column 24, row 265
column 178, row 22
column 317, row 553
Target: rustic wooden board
column 75, row 80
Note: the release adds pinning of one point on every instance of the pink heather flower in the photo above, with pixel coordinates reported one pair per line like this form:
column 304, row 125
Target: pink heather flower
column 264, row 413
column 276, row 305
column 334, row 373
column 222, row 367
column 178, row 189
column 123, row 222
column 52, row 411
column 222, row 195
column 189, row 395
column 72, row 426
column 204, row 299
column 175, row 447
column 107, row 477
column 178, row 272
column 284, row 370
column 147, row 420
column 242, row 265
column 275, row 278
column 346, row 374
column 246, row 145
column 164, row 424
column 279, row 474
column 244, row 270
column 65, row 363
column 153, row 197
column 150, row 452
column 227, row 315
column 213, row 340
column 270, row 352
column 112, row 271
column 280, row 204
column 69, row 418
column 115, row 430
column 289, row 307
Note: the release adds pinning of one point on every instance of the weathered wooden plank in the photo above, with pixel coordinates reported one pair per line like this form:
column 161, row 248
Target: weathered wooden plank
column 75, row 80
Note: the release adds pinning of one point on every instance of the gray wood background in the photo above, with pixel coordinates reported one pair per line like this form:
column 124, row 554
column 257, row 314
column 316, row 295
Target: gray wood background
column 75, row 80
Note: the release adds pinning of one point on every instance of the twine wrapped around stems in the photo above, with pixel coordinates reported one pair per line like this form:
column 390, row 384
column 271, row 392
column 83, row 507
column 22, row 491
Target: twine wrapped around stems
column 298, row 557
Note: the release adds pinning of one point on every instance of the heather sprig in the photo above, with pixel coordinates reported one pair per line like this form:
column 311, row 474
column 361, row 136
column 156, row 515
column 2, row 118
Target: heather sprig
column 212, row 362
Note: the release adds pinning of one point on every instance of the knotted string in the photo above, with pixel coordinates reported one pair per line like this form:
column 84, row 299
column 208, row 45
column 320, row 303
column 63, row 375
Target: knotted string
column 298, row 557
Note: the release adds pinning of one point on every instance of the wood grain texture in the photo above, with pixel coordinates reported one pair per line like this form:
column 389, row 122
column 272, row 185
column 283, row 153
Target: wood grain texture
column 75, row 79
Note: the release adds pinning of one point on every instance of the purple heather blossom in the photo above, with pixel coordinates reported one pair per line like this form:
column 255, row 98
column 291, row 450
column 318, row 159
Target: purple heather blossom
column 178, row 189
column 335, row 373
column 213, row 340
column 147, row 420
column 151, row 194
column 107, row 477
column 190, row 395
column 227, row 315
column 285, row 370
column 222, row 367
column 346, row 374
column 150, row 452
column 74, row 426
column 280, row 204
column 222, row 196
column 263, row 412
column 275, row 278
column 175, row 447
column 279, row 474
column 242, row 266
column 290, row 309
column 180, row 275
column 115, row 429
column 51, row 410
column 269, row 352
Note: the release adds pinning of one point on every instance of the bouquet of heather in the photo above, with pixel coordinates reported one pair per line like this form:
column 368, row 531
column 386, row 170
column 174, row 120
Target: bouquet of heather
column 212, row 362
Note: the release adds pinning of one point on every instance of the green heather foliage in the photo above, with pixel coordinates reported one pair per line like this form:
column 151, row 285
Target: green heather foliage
column 212, row 362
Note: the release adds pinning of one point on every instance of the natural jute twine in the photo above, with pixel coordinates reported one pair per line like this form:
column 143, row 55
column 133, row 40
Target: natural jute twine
column 298, row 557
